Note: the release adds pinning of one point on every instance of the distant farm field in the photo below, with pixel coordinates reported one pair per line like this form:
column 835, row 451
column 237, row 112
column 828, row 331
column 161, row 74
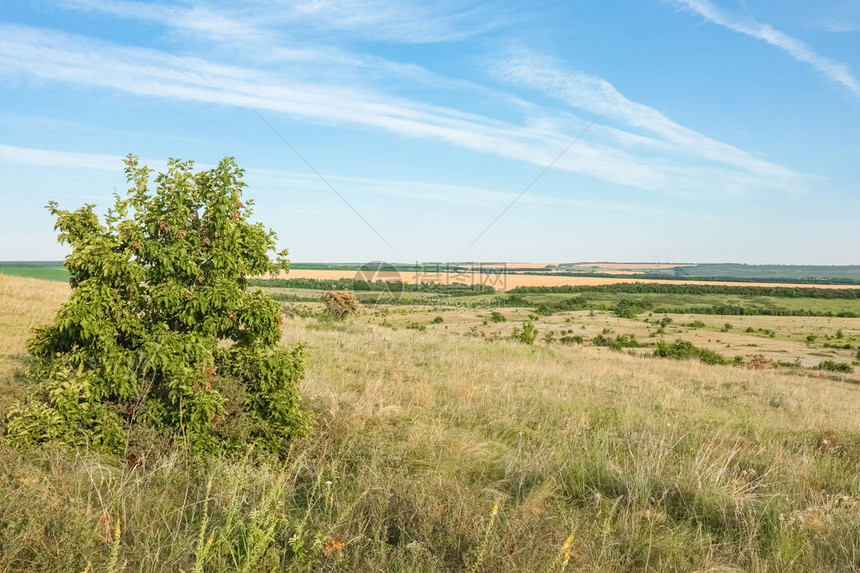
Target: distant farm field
column 508, row 276
column 45, row 273
column 504, row 282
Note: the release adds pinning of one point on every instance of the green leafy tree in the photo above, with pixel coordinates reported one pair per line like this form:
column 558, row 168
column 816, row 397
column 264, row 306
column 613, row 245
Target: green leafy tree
column 160, row 331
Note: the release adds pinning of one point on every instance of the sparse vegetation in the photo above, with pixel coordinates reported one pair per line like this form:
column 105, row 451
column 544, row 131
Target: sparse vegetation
column 616, row 343
column 614, row 462
column 833, row 366
column 527, row 333
column 685, row 350
column 575, row 339
column 497, row 316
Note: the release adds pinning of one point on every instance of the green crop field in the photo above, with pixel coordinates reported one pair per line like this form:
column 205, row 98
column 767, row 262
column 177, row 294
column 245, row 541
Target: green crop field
column 57, row 273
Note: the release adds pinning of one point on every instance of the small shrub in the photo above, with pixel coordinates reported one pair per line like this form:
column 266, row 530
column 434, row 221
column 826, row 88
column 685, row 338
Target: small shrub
column 549, row 337
column 627, row 308
column 665, row 321
column 438, row 320
column 300, row 310
column 685, row 350
column 758, row 362
column 527, row 334
column 617, row 343
column 572, row 339
column 811, row 338
column 340, row 304
column 833, row 366
column 697, row 324
column 840, row 334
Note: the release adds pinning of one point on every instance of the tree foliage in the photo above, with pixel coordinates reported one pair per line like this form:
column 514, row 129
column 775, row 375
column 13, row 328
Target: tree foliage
column 161, row 331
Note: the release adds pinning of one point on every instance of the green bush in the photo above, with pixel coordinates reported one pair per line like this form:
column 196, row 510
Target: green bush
column 617, row 343
column 160, row 333
column 684, row 350
column 438, row 320
column 832, row 366
column 564, row 305
column 627, row 308
column 497, row 316
column 527, row 334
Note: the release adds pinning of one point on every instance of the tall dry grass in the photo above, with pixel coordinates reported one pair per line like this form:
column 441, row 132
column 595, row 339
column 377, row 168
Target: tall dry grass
column 597, row 461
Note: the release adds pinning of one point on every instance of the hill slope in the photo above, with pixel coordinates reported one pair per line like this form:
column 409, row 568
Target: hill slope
column 647, row 464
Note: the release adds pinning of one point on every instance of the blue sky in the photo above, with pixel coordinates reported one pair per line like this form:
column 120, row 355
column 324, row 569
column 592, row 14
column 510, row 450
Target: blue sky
column 727, row 131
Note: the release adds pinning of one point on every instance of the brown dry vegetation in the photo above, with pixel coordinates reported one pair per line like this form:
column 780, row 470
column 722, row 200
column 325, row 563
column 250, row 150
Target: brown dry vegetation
column 649, row 465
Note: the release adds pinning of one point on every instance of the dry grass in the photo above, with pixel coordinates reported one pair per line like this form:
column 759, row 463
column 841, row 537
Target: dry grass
column 649, row 465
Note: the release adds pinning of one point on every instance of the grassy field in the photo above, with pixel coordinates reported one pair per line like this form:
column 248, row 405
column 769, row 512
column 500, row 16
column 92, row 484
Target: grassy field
column 52, row 273
column 681, row 302
column 446, row 446
column 663, row 303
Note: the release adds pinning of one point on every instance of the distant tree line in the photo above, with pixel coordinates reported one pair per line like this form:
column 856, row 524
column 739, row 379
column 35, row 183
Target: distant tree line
column 696, row 289
column 376, row 286
column 727, row 309
column 693, row 279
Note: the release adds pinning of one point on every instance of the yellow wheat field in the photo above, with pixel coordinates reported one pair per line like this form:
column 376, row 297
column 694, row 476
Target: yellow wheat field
column 503, row 282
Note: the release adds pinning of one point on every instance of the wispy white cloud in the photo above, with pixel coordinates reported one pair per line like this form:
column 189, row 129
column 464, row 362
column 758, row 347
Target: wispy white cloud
column 276, row 182
column 405, row 20
column 596, row 95
column 402, row 21
column 837, row 72
column 48, row 158
column 52, row 56
column 191, row 20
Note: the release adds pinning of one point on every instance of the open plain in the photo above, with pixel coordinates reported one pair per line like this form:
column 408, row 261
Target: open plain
column 440, row 442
